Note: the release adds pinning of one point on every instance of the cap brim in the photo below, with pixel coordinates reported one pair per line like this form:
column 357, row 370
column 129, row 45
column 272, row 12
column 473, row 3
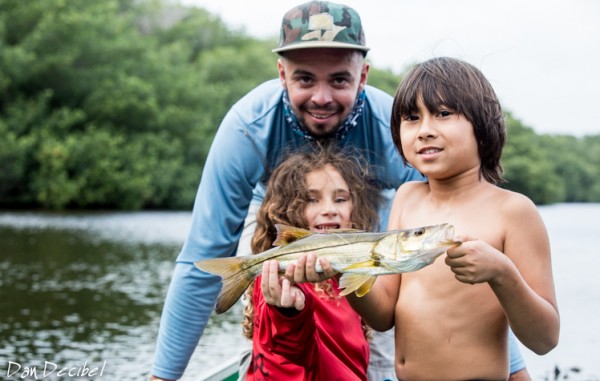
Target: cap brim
column 320, row 44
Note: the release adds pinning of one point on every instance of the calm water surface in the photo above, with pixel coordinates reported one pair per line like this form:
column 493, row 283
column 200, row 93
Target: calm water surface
column 88, row 288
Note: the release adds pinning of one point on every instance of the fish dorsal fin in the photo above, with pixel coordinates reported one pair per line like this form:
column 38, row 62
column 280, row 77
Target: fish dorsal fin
column 287, row 234
column 344, row 230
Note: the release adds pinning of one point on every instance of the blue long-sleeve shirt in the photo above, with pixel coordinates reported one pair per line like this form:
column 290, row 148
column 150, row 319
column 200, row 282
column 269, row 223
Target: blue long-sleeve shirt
column 248, row 144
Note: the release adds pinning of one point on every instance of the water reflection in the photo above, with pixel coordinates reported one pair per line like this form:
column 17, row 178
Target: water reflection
column 79, row 288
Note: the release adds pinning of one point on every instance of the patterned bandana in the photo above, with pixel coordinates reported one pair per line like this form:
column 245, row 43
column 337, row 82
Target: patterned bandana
column 349, row 123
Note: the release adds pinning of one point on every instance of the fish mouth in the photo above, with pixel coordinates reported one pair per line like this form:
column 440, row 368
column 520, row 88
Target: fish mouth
column 323, row 228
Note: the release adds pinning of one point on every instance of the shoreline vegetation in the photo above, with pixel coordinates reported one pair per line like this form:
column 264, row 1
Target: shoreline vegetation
column 113, row 105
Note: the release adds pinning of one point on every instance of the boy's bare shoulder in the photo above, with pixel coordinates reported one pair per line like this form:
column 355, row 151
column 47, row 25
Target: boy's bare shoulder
column 411, row 189
column 514, row 204
column 411, row 186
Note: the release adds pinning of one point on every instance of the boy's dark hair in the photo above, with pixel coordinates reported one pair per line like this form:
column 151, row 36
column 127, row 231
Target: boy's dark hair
column 462, row 87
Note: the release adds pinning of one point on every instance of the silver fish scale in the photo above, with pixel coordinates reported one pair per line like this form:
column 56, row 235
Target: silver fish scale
column 341, row 250
column 376, row 253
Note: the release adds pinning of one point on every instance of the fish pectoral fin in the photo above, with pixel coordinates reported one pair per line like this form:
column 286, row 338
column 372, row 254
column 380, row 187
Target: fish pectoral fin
column 360, row 284
column 360, row 265
column 287, row 234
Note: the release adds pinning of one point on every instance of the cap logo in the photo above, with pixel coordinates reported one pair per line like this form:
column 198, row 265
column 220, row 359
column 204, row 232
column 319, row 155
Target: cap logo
column 323, row 28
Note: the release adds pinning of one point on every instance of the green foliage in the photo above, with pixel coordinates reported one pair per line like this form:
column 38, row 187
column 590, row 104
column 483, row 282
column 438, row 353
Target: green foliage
column 528, row 166
column 114, row 104
column 385, row 80
column 551, row 168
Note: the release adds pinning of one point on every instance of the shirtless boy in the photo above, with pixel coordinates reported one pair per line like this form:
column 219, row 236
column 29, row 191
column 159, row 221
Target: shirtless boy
column 451, row 318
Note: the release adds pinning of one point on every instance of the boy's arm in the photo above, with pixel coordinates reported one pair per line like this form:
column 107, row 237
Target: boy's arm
column 521, row 277
column 526, row 289
column 377, row 307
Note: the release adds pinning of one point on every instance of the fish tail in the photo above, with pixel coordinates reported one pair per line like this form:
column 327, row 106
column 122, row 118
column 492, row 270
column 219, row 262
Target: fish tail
column 360, row 284
column 236, row 277
column 233, row 288
column 223, row 267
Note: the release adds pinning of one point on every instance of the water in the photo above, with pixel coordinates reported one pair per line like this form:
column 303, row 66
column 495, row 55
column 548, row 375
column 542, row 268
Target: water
column 86, row 290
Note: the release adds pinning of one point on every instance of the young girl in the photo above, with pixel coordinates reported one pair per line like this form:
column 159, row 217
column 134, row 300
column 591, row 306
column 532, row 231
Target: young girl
column 307, row 331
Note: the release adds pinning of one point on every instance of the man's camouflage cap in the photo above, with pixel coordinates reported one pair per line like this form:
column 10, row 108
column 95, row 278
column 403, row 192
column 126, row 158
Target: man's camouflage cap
column 321, row 24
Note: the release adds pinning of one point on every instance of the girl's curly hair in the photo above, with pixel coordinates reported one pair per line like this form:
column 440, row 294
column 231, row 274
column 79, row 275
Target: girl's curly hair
column 286, row 197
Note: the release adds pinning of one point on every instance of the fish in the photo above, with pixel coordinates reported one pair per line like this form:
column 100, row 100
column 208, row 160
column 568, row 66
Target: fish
column 360, row 256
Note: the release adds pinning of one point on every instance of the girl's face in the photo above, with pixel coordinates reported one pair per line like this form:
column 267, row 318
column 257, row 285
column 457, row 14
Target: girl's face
column 330, row 204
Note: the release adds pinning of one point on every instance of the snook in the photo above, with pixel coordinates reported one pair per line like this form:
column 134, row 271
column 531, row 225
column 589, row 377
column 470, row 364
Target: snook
column 359, row 256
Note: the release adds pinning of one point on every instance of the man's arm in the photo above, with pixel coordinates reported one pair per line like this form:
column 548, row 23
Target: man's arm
column 188, row 306
column 231, row 171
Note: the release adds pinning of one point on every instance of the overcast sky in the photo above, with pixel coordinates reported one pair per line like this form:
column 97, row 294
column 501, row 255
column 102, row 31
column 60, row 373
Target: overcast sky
column 541, row 56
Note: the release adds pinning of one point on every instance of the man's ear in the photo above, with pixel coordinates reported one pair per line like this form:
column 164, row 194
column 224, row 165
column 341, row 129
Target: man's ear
column 364, row 74
column 281, row 70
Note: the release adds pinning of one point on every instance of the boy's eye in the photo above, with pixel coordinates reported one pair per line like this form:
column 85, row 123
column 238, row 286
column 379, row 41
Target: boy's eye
column 445, row 113
column 410, row 117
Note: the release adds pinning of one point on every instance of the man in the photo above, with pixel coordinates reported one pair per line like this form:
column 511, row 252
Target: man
column 321, row 96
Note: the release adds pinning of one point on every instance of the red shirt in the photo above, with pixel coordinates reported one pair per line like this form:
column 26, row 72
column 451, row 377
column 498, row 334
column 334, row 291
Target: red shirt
column 324, row 341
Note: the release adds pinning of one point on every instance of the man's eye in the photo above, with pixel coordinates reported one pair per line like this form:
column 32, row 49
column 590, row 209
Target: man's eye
column 340, row 81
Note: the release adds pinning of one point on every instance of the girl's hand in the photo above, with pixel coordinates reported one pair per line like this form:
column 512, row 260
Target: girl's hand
column 277, row 290
column 305, row 269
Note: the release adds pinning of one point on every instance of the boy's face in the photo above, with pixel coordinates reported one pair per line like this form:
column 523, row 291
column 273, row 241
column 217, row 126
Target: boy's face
column 322, row 85
column 441, row 144
column 329, row 205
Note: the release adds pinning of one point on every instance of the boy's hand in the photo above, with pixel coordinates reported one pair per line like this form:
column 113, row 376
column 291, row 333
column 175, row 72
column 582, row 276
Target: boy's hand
column 277, row 290
column 475, row 261
column 305, row 270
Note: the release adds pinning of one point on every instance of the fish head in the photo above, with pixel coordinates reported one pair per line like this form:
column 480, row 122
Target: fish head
column 425, row 242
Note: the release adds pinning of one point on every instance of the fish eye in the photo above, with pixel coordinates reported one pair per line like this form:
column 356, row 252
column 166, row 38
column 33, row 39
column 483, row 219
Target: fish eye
column 419, row 232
